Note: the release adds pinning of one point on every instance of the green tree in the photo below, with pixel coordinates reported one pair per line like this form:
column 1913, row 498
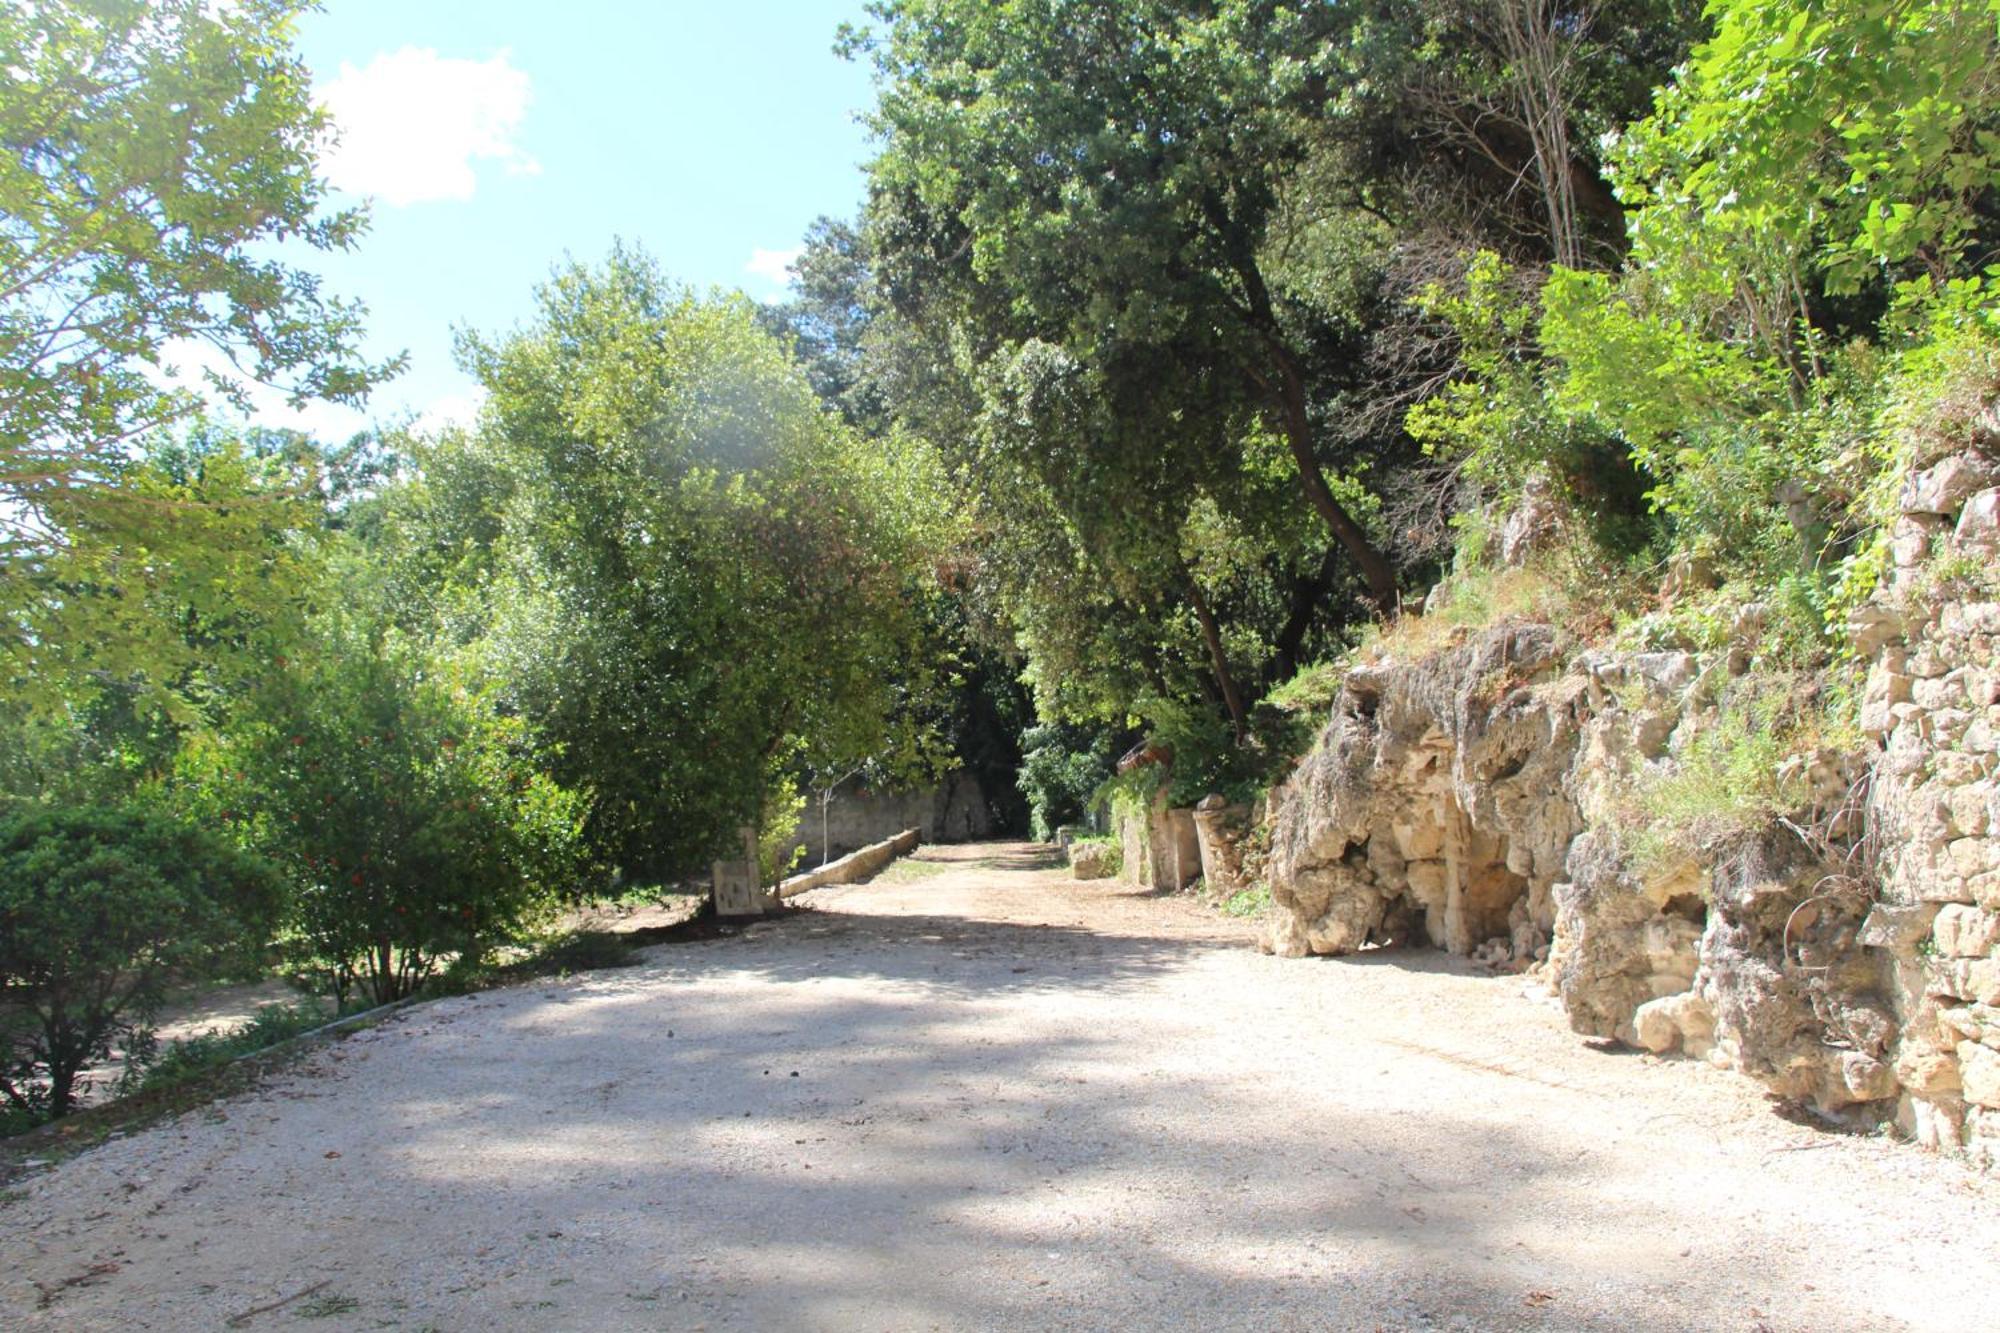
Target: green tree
column 698, row 581
column 154, row 157
column 1101, row 180
column 402, row 806
column 100, row 910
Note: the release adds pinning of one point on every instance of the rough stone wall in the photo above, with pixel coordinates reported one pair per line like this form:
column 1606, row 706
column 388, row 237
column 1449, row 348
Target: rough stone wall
column 955, row 810
column 1475, row 799
column 1932, row 702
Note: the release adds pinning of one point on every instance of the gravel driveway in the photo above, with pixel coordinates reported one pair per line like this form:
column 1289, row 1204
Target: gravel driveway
column 978, row 1095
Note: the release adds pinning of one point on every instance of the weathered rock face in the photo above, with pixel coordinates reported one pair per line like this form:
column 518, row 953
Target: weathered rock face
column 1849, row 959
column 1432, row 806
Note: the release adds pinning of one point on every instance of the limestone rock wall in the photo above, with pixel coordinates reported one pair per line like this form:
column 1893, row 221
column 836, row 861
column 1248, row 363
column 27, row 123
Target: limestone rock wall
column 1932, row 702
column 1848, row 957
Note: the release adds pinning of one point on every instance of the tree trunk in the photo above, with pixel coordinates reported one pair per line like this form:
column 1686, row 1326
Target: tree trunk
column 1374, row 566
column 1212, row 636
column 1307, row 593
column 1291, row 391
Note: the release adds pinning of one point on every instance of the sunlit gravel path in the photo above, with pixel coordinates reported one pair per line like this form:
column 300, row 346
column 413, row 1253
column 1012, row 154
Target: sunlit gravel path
column 979, row 1095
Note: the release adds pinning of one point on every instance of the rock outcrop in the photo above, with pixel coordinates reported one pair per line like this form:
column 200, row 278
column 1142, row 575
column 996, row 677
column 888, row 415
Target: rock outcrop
column 1480, row 799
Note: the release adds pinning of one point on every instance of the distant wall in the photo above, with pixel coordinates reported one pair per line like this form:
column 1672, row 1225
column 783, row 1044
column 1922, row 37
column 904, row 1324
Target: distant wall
column 955, row 810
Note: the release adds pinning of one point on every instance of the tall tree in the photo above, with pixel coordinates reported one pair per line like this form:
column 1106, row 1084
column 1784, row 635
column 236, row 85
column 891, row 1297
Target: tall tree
column 696, row 571
column 1102, row 179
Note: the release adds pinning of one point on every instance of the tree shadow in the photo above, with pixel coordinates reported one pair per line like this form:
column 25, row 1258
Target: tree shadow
column 861, row 1121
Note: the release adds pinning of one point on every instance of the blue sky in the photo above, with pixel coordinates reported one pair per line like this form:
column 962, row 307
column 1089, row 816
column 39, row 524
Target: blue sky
column 495, row 136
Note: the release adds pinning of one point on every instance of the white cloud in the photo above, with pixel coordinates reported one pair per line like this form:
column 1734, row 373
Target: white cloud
column 411, row 124
column 774, row 266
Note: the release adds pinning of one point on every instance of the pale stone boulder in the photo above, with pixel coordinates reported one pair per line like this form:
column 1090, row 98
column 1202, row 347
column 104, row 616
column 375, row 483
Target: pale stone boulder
column 1943, row 489
column 1675, row 1022
column 1093, row 860
column 1979, row 1071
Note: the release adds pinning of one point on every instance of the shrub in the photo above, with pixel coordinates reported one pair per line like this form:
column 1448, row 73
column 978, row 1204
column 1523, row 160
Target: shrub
column 190, row 1057
column 1731, row 779
column 398, row 800
column 100, row 910
column 1061, row 766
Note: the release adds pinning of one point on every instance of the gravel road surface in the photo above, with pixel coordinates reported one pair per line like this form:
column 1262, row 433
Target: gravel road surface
column 978, row 1095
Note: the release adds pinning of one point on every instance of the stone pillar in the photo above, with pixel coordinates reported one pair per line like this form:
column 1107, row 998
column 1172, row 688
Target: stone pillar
column 738, row 885
column 1219, row 828
column 1456, row 937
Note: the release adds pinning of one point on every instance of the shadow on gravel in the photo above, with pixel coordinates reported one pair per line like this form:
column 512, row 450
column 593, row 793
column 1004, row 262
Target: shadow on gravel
column 896, row 1159
column 967, row 1138
column 952, row 955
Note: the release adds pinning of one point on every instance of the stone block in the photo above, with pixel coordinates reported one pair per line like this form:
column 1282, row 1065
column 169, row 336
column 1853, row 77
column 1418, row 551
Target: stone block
column 1896, row 927
column 1873, row 627
column 1944, row 488
column 1979, row 522
column 1967, row 807
column 1669, row 673
column 1971, row 1022
column 1930, row 1072
column 1979, row 1073
column 1975, row 980
column 1942, row 885
column 1938, row 692
column 1962, row 620
column 1965, row 932
column 1982, row 686
column 1956, row 769
column 1093, row 860
column 1909, row 548
column 1971, row 856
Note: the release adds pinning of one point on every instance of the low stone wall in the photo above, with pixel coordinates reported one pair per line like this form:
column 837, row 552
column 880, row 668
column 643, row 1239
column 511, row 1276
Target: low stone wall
column 854, row 866
column 953, row 810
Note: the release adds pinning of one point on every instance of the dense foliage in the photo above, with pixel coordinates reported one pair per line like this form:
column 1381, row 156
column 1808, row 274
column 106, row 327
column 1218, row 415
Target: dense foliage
column 100, row 910
column 152, row 155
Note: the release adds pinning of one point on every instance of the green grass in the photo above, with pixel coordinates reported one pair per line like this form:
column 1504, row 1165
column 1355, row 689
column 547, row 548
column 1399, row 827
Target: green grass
column 1253, row 901
column 911, row 870
column 184, row 1060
